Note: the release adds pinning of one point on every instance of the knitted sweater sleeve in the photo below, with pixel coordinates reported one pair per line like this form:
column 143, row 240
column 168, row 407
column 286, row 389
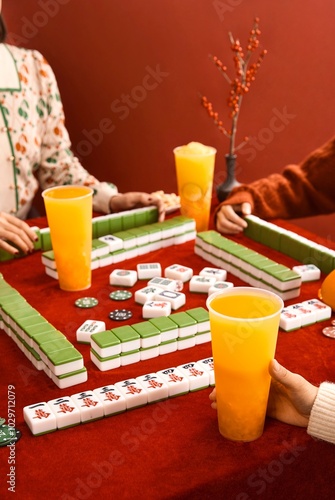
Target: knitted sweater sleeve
column 322, row 419
column 299, row 191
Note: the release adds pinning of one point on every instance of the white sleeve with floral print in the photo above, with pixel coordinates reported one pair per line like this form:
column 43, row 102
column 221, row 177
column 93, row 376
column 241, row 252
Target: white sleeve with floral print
column 34, row 141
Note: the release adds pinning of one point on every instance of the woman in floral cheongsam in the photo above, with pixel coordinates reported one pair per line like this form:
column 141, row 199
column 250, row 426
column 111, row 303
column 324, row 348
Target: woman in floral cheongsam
column 35, row 146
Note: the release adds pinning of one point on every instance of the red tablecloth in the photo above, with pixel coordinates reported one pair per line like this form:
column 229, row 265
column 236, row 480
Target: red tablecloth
column 165, row 450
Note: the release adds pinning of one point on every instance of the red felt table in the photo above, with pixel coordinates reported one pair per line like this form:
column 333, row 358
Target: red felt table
column 165, row 450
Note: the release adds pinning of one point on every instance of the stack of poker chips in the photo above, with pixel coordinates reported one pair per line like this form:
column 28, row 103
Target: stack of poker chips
column 129, row 344
column 45, row 346
column 68, row 411
column 115, row 247
column 248, row 265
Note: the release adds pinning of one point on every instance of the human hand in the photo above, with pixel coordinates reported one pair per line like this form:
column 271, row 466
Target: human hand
column 131, row 200
column 228, row 221
column 16, row 231
column 291, row 397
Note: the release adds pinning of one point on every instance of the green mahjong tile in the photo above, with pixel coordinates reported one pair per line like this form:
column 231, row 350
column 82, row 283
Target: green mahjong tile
column 50, row 255
column 45, row 239
column 118, row 252
column 263, row 263
column 140, row 218
column 138, row 232
column 108, row 358
column 8, row 291
column 287, row 275
column 152, row 229
column 72, row 374
column 34, row 353
column 274, row 269
column 98, row 245
column 125, row 333
column 101, row 227
column 28, row 321
column 44, row 328
column 210, row 237
column 272, row 237
column 151, row 215
column 200, row 314
column 145, row 329
column 23, row 312
column 322, row 258
column 182, row 319
column 55, row 345
column 128, row 221
column 64, row 356
column 253, row 230
column 105, row 339
column 114, row 224
column 45, row 336
column 129, row 353
column 163, row 323
column 10, row 303
column 124, row 235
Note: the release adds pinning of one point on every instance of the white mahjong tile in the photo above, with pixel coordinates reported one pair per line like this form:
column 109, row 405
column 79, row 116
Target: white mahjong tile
column 201, row 284
column 40, row 418
column 177, row 382
column 149, row 270
column 218, row 274
column 66, row 412
column 178, row 272
column 197, row 376
column 89, row 327
column 156, row 308
column 123, row 277
column 134, row 393
column 112, row 399
column 90, row 406
column 146, row 294
column 155, row 386
column 176, row 299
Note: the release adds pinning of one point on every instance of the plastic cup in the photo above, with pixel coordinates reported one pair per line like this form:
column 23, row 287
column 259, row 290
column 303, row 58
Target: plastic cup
column 195, row 170
column 244, row 327
column 69, row 214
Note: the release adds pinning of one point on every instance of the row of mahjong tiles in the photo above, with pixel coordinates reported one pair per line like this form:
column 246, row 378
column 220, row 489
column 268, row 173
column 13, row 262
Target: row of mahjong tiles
column 101, row 226
column 67, row 411
column 118, row 247
column 289, row 243
column 249, row 265
column 48, row 349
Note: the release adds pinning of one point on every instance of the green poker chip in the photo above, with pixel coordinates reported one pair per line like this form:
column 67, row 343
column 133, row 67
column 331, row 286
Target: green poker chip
column 8, row 435
column 120, row 295
column 86, row 302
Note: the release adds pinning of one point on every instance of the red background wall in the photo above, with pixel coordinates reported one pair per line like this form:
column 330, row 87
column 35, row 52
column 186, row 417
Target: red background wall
column 105, row 50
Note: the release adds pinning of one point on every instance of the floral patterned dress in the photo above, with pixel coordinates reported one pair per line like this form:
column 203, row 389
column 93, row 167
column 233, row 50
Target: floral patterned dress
column 34, row 143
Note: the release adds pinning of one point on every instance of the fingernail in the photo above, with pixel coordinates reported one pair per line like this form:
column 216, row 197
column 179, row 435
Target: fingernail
column 276, row 365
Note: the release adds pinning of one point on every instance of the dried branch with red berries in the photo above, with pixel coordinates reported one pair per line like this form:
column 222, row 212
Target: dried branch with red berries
column 245, row 73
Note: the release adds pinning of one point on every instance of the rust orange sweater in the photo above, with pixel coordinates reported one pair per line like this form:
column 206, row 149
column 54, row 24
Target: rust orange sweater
column 299, row 191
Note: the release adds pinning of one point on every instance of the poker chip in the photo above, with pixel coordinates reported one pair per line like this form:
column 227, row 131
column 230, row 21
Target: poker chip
column 120, row 295
column 120, row 314
column 329, row 331
column 8, row 435
column 86, row 302
column 333, row 322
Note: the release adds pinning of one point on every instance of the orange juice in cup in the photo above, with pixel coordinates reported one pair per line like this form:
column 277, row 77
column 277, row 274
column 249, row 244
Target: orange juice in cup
column 195, row 170
column 69, row 213
column 244, row 327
